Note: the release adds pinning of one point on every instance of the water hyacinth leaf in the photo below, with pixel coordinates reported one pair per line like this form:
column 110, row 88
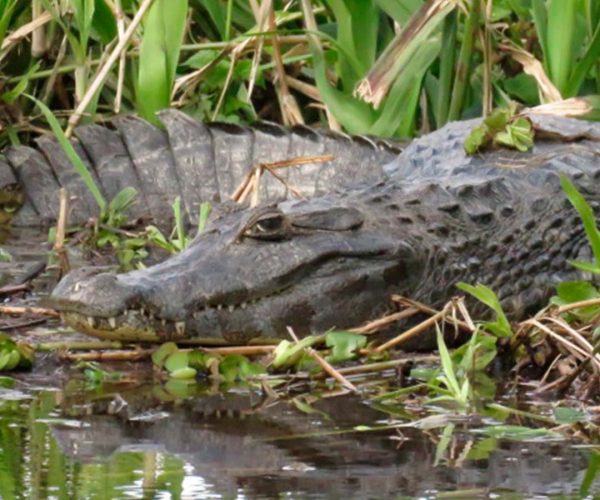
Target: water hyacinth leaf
column 587, row 218
column 344, row 345
column 288, row 353
column 162, row 353
column 236, row 367
column 159, row 52
column 176, row 361
column 184, row 373
column 500, row 327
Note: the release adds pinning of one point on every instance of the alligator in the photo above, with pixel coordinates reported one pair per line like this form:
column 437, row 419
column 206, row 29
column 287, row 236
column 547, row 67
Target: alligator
column 413, row 226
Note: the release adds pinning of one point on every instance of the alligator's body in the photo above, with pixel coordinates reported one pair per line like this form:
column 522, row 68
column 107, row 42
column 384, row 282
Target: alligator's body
column 440, row 217
column 189, row 159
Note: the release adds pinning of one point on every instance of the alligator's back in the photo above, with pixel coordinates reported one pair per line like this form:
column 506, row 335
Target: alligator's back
column 195, row 161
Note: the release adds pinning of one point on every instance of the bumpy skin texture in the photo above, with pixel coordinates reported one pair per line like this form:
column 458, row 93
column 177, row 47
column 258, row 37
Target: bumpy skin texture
column 195, row 161
column 333, row 261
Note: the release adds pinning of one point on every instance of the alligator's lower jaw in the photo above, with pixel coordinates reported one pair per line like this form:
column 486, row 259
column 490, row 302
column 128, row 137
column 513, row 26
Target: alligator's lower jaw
column 126, row 328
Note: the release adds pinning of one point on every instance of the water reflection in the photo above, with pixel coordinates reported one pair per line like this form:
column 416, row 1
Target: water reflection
column 235, row 444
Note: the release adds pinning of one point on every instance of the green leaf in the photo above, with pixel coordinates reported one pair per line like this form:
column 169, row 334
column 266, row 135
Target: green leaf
column 183, row 373
column 159, row 52
column 288, row 353
column 176, row 361
column 203, row 215
column 477, row 139
column 577, row 291
column 520, row 433
column 518, row 134
column 446, row 362
column 501, row 327
column 344, row 345
column 74, row 158
column 235, row 367
column 162, row 353
column 564, row 415
column 587, row 217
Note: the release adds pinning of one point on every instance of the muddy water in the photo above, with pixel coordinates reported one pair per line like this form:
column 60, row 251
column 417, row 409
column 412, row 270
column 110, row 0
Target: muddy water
column 62, row 437
column 60, row 444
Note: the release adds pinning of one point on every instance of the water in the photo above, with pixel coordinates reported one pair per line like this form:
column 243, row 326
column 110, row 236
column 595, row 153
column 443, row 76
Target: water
column 143, row 442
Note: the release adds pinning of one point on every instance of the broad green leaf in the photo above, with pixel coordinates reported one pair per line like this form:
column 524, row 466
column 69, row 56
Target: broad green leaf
column 159, row 52
column 577, row 291
column 559, row 44
column 176, row 361
column 163, row 352
column 344, row 345
column 104, row 23
column 288, row 353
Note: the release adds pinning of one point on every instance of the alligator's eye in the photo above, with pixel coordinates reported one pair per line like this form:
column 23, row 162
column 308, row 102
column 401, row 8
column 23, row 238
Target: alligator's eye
column 268, row 226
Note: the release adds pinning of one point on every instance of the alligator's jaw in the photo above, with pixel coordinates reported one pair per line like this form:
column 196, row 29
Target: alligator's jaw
column 235, row 287
column 365, row 291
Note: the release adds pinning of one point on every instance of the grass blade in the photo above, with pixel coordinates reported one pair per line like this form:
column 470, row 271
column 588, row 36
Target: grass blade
column 561, row 25
column 70, row 152
column 159, row 53
column 586, row 213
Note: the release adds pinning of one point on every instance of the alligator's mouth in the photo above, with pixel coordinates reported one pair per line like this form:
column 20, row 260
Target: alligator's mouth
column 266, row 315
column 141, row 325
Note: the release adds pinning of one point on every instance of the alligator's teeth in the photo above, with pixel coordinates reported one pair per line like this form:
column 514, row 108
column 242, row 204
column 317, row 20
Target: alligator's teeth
column 76, row 287
column 142, row 311
column 219, row 307
column 231, row 308
column 243, row 305
column 91, row 321
column 112, row 322
column 163, row 322
column 180, row 327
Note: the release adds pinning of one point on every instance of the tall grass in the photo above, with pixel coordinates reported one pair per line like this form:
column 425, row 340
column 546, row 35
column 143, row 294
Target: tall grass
column 384, row 67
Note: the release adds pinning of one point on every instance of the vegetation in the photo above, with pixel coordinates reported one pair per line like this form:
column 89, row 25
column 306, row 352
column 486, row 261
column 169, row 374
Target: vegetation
column 416, row 63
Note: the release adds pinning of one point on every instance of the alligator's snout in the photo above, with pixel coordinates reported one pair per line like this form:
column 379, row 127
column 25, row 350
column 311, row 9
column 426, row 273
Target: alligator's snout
column 250, row 274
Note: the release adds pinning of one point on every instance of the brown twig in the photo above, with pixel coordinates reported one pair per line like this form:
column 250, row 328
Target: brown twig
column 379, row 323
column 36, row 311
column 128, row 355
column 325, row 365
column 411, row 332
column 61, row 228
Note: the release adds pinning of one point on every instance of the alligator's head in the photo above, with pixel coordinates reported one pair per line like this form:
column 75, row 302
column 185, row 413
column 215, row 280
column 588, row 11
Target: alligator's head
column 311, row 265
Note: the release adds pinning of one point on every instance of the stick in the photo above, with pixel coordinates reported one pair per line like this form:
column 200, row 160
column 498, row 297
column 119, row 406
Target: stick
column 325, row 365
column 38, row 311
column 412, row 332
column 61, row 225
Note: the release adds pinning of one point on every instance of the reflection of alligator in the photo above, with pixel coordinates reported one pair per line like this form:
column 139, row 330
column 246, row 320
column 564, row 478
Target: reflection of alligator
column 274, row 450
column 189, row 159
column 334, row 260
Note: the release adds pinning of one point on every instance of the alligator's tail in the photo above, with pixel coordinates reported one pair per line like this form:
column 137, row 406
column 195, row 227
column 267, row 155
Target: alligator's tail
column 195, row 161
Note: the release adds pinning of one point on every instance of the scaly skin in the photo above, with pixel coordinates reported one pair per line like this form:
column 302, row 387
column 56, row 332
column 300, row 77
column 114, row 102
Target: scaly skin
column 333, row 261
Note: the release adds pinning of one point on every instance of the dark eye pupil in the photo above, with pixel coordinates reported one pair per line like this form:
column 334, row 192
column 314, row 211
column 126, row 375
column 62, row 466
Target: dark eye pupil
column 269, row 224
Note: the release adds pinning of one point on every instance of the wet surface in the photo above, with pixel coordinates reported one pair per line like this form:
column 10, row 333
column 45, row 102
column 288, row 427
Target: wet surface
column 148, row 443
column 62, row 436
